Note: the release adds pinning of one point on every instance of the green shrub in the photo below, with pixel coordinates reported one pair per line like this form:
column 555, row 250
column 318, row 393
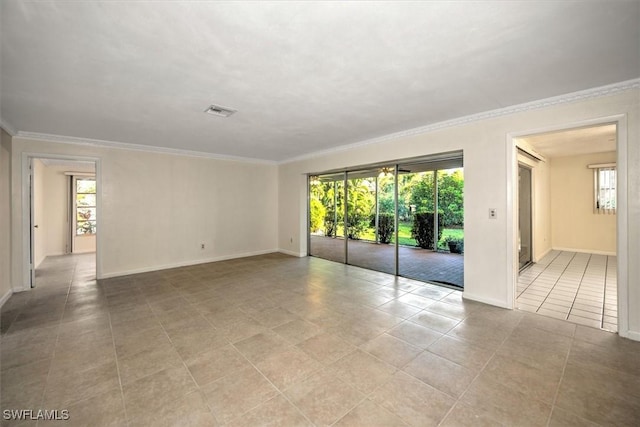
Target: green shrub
column 386, row 225
column 329, row 224
column 356, row 225
column 317, row 214
column 422, row 229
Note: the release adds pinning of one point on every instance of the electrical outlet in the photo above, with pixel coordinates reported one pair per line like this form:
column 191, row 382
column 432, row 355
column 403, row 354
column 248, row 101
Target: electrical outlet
column 493, row 213
column 202, row 246
column 291, row 240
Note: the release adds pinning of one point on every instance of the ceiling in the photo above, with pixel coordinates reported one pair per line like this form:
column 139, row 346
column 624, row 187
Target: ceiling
column 304, row 76
column 573, row 142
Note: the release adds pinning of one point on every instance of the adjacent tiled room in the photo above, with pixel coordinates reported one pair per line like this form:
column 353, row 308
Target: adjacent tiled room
column 278, row 340
column 578, row 287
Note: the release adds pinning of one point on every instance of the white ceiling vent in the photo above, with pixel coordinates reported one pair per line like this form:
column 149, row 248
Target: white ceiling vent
column 217, row 110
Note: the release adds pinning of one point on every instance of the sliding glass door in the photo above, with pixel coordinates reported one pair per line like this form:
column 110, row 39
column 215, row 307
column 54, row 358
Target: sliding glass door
column 430, row 213
column 370, row 219
column 405, row 219
column 326, row 216
column 524, row 217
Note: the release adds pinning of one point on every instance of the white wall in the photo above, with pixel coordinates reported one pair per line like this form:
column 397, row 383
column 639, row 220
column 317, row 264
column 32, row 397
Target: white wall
column 5, row 216
column 57, row 205
column 575, row 226
column 489, row 179
column 156, row 209
column 56, row 222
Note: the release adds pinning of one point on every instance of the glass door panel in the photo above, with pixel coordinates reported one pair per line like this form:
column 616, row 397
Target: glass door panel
column 450, row 191
column 326, row 217
column 430, row 213
column 370, row 219
column 524, row 217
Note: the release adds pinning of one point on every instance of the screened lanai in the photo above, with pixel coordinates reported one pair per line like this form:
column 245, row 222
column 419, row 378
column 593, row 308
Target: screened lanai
column 403, row 218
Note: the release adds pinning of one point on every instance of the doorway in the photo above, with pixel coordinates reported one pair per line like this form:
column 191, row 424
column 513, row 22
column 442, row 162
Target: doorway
column 567, row 239
column 60, row 218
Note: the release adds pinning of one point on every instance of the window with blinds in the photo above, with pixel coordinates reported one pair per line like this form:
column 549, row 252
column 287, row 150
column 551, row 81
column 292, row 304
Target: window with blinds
column 604, row 185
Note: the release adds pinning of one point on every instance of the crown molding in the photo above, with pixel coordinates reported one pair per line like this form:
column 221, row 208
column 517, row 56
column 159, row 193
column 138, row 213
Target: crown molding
column 137, row 147
column 7, row 127
column 597, row 92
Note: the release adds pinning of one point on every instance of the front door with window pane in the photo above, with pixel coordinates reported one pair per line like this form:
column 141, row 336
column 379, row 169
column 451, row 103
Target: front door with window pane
column 84, row 214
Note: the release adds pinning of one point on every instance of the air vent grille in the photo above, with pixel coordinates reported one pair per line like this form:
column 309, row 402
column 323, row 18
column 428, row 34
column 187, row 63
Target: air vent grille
column 218, row 110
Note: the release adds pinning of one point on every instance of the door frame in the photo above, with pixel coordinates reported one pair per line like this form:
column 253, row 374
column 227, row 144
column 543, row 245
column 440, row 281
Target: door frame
column 620, row 120
column 27, row 211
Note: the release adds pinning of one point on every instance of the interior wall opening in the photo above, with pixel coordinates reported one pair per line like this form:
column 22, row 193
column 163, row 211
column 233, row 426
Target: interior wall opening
column 62, row 214
column 404, row 218
column 567, row 195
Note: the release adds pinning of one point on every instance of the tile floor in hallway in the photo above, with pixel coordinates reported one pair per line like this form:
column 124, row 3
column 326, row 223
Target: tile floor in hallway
column 300, row 341
column 578, row 287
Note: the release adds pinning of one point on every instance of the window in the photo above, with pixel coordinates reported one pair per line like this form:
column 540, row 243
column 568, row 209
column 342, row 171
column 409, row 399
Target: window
column 85, row 206
column 604, row 178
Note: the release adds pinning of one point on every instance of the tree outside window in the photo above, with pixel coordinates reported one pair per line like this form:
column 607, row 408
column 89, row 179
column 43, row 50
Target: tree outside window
column 85, row 206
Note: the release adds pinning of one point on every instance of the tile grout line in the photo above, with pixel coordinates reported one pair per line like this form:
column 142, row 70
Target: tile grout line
column 556, row 283
column 249, row 361
column 184, row 363
column 564, row 368
column 578, row 291
column 58, row 327
column 480, row 371
column 537, row 275
column 604, row 292
column 584, row 272
column 115, row 353
column 280, row 392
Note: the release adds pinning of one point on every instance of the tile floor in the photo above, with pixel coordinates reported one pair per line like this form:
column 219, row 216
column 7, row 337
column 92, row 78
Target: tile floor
column 290, row 341
column 578, row 287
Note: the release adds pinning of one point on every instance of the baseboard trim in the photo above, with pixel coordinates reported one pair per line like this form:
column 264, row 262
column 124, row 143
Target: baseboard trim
column 585, row 251
column 543, row 255
column 184, row 264
column 292, row 253
column 632, row 335
column 5, row 297
column 484, row 300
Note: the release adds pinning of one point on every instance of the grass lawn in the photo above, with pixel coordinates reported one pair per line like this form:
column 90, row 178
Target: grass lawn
column 404, row 234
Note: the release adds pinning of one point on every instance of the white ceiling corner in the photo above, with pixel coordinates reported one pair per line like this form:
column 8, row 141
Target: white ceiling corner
column 305, row 77
column 7, row 127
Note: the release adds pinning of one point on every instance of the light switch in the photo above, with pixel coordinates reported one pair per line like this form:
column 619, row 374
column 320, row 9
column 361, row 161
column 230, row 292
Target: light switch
column 493, row 213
